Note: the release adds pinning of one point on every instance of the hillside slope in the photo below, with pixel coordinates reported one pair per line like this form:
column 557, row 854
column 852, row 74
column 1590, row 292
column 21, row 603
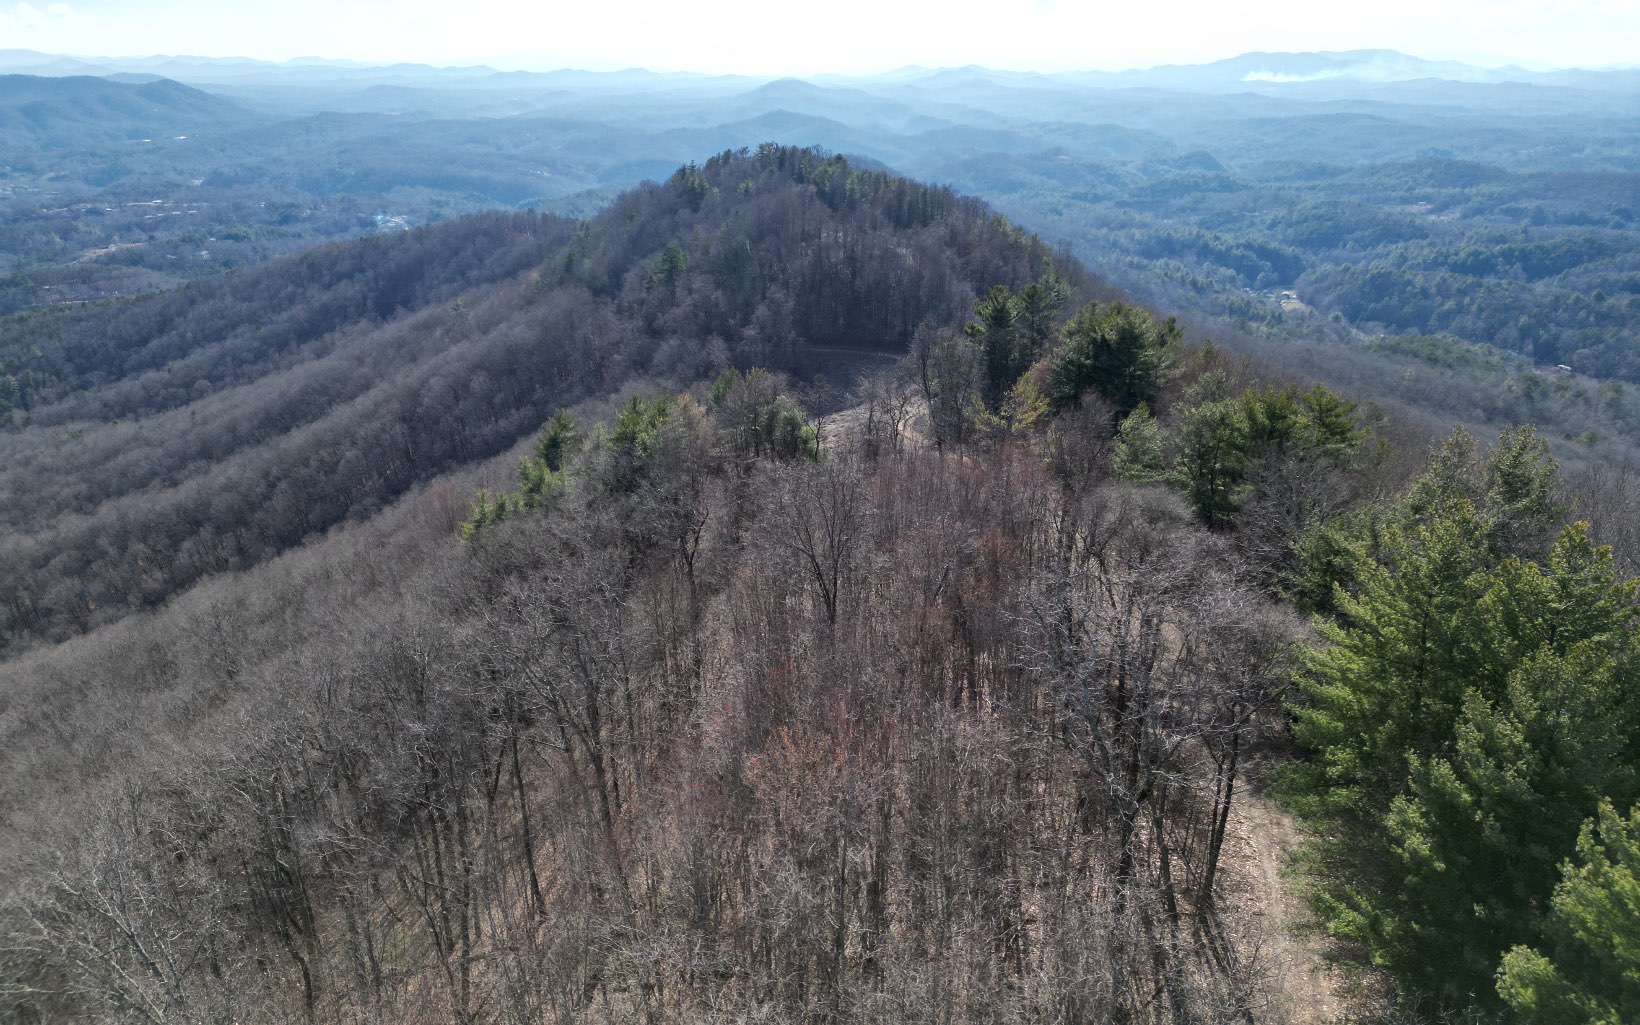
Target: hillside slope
column 190, row 432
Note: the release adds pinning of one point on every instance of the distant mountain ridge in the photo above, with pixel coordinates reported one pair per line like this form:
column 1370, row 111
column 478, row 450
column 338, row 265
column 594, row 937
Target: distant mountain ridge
column 74, row 109
column 1255, row 68
column 1295, row 68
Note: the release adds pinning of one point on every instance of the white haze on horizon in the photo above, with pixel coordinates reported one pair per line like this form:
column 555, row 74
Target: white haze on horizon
column 845, row 36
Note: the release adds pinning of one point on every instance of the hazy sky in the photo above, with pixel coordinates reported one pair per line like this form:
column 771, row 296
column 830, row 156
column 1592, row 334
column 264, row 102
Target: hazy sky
column 771, row 36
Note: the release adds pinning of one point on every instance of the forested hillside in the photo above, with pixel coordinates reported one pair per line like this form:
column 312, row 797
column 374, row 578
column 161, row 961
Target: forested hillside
column 204, row 429
column 480, row 628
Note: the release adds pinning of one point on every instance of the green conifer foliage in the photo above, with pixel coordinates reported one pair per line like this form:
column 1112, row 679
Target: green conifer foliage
column 1120, row 351
column 1468, row 709
column 1587, row 972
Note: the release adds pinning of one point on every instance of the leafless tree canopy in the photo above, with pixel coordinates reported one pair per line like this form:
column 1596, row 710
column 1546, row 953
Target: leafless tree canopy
column 909, row 738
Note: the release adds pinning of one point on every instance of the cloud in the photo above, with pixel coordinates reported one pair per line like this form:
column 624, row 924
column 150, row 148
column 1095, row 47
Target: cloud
column 1282, row 76
column 27, row 16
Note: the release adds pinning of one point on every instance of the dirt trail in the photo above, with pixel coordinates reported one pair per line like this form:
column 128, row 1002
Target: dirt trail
column 1304, row 989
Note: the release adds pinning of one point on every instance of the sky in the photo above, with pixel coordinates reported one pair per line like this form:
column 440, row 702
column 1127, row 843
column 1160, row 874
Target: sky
column 845, row 36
